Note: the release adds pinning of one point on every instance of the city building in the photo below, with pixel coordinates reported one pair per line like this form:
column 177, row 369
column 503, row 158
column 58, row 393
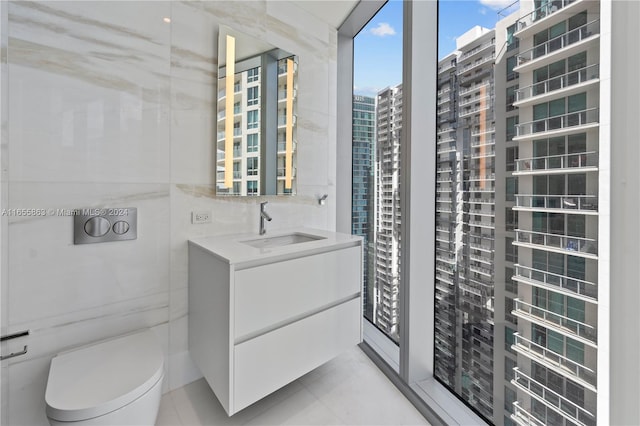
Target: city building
column 363, row 203
column 558, row 213
column 387, row 210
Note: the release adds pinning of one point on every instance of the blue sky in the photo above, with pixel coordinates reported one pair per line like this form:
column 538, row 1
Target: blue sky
column 378, row 47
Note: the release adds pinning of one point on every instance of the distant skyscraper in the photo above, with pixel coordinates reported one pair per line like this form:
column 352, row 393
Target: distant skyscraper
column 387, row 210
column 362, row 216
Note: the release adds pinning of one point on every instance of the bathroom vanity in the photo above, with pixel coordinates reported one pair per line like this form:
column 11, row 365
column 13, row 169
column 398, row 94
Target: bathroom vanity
column 265, row 310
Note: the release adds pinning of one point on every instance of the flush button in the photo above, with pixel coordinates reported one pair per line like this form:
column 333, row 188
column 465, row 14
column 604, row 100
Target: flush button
column 120, row 227
column 97, row 226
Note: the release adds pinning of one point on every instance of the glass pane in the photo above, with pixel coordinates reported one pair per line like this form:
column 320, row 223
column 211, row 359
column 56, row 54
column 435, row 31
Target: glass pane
column 577, row 102
column 376, row 128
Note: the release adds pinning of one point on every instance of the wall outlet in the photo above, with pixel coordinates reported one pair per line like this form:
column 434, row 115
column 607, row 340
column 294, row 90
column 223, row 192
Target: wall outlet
column 201, row 216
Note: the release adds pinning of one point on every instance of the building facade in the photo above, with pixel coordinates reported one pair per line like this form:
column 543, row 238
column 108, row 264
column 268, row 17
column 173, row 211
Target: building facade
column 362, row 204
column 387, row 235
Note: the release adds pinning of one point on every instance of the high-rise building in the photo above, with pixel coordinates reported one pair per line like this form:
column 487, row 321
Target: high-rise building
column 387, row 210
column 362, row 204
column 465, row 214
column 517, row 216
column 557, row 204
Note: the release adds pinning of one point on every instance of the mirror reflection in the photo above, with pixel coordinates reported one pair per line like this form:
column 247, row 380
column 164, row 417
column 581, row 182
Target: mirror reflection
column 256, row 123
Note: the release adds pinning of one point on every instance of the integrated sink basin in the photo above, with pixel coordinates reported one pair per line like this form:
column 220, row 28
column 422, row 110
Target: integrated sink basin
column 282, row 240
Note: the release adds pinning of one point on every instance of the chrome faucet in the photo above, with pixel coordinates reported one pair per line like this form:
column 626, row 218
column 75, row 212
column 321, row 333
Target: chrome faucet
column 263, row 215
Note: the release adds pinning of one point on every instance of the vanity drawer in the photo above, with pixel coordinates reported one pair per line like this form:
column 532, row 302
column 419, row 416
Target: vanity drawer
column 271, row 295
column 272, row 360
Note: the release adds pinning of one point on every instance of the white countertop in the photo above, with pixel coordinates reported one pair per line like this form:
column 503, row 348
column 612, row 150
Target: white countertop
column 232, row 249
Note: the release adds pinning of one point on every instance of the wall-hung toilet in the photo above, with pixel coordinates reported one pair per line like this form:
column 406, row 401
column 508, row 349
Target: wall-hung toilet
column 116, row 382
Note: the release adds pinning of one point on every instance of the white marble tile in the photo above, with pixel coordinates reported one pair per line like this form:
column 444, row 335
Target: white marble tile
column 167, row 414
column 194, row 42
column 350, row 390
column 49, row 276
column 90, row 91
column 366, row 397
column 27, row 382
column 301, row 408
column 193, row 147
column 68, row 130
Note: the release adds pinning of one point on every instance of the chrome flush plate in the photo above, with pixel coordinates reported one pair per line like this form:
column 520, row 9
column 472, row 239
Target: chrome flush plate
column 101, row 225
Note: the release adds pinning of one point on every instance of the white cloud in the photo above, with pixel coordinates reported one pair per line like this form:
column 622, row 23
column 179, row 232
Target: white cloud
column 383, row 29
column 496, row 4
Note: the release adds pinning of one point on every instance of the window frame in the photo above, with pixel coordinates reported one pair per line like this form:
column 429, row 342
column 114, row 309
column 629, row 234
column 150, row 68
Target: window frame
column 412, row 369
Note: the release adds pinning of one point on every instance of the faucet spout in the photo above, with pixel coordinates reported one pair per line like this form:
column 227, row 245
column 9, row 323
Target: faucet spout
column 263, row 215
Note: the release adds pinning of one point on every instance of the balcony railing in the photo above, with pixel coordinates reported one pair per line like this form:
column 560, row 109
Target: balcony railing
column 574, row 245
column 560, row 42
column 565, row 324
column 474, row 99
column 562, row 282
column 554, row 162
column 476, row 49
column 523, row 417
column 563, row 364
column 574, row 203
column 553, row 400
column 484, row 131
column 476, row 64
column 470, row 111
column 542, row 12
column 473, row 88
column 559, row 122
column 560, row 82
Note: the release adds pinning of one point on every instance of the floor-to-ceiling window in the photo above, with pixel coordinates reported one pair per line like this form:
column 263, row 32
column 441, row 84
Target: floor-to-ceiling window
column 376, row 169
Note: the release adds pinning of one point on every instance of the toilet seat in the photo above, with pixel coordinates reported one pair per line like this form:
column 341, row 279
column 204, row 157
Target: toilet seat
column 104, row 377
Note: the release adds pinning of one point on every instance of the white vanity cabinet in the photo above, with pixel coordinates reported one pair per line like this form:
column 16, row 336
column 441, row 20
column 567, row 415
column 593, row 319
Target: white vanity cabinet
column 260, row 318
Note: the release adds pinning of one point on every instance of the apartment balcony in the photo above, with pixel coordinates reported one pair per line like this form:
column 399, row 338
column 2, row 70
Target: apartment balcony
column 562, row 324
column 470, row 111
column 476, row 51
column 481, row 224
column 544, row 17
column 578, row 162
column 445, row 100
column 484, row 151
column 236, row 134
column 474, row 89
column 480, row 141
column 574, row 204
column 444, row 90
column 479, row 74
column 446, row 148
column 523, row 418
column 443, row 278
column 480, row 99
column 487, row 272
column 564, row 244
column 565, row 85
column 483, row 130
column 563, row 124
column 446, row 130
column 558, row 403
column 569, row 286
column 556, row 362
column 559, row 47
column 476, row 64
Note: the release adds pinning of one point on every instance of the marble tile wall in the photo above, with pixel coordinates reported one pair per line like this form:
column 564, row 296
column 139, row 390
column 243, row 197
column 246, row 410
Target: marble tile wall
column 104, row 104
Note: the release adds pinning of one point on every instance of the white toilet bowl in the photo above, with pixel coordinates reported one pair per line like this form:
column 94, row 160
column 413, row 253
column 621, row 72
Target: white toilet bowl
column 116, row 382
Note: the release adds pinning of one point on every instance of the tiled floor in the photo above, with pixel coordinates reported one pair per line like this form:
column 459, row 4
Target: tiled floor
column 349, row 390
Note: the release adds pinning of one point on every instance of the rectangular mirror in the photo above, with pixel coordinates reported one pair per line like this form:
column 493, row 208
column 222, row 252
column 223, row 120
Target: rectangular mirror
column 256, row 123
